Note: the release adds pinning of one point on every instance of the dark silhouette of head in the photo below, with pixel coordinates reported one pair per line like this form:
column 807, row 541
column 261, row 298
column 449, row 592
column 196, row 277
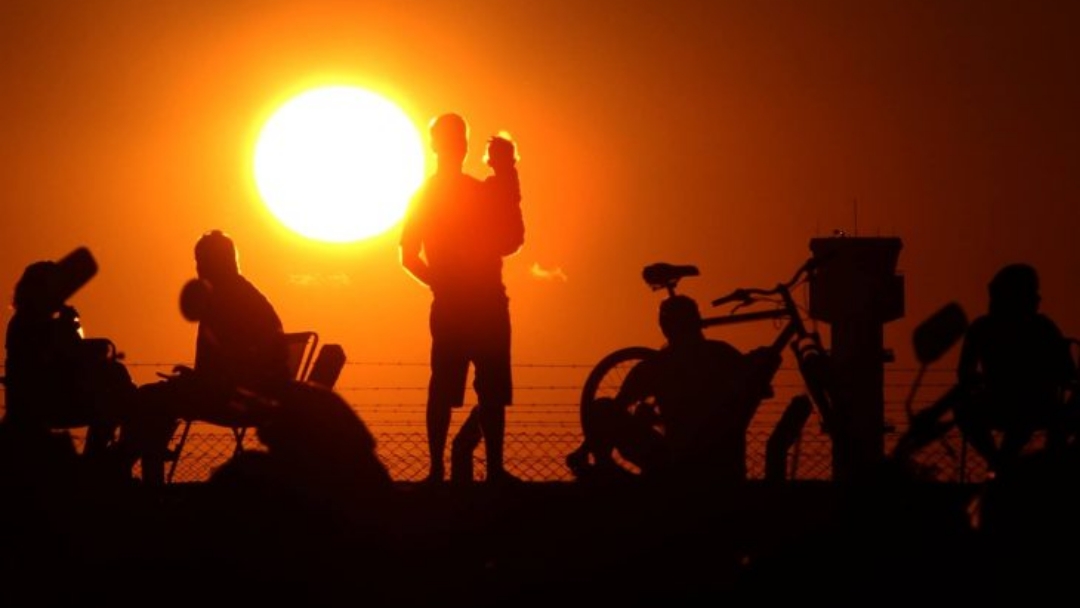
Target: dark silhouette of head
column 216, row 257
column 680, row 319
column 1014, row 290
column 449, row 139
column 38, row 288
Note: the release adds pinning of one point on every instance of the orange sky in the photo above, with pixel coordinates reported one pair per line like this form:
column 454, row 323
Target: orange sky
column 726, row 134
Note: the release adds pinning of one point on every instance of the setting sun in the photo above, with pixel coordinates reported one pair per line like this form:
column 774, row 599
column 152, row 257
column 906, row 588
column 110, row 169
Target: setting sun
column 338, row 163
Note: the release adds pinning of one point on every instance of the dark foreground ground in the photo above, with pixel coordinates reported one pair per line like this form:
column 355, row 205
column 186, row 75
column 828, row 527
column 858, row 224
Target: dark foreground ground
column 559, row 544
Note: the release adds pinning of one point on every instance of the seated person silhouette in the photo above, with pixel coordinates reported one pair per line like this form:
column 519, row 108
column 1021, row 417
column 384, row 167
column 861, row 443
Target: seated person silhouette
column 55, row 377
column 240, row 351
column 1013, row 370
column 705, row 393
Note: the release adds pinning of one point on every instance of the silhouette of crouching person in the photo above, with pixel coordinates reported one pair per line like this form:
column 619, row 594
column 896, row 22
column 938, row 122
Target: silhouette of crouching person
column 701, row 392
column 311, row 505
column 1014, row 371
column 319, row 454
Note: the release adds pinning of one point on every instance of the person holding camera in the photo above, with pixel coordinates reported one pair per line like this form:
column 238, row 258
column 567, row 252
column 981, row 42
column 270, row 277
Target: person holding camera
column 56, row 378
column 456, row 233
column 58, row 385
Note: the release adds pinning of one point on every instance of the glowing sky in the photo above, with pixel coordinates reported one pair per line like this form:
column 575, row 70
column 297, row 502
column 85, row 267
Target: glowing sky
column 726, row 134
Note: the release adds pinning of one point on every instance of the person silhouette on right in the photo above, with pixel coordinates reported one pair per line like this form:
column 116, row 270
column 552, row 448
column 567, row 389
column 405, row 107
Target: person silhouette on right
column 456, row 233
column 1013, row 369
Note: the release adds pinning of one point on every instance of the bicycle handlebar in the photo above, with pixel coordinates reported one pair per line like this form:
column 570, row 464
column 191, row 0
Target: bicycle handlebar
column 745, row 295
column 739, row 295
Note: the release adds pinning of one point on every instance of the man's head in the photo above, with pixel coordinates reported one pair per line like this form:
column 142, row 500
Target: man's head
column 216, row 256
column 1015, row 290
column 680, row 319
column 449, row 139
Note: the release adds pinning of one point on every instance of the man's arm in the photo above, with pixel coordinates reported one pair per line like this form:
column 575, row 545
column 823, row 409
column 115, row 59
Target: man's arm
column 414, row 264
column 1061, row 352
column 411, row 244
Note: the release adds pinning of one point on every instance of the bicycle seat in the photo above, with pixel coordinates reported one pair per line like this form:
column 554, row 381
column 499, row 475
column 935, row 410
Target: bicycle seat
column 662, row 274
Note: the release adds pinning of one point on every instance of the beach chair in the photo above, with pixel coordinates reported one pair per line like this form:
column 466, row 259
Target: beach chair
column 302, row 347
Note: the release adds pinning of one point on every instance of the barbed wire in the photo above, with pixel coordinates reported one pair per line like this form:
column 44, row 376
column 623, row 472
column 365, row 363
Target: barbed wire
column 543, row 425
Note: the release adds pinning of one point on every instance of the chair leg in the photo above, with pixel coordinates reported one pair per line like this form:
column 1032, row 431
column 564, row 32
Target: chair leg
column 177, row 452
column 238, row 435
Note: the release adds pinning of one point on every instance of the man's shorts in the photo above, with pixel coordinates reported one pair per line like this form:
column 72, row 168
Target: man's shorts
column 479, row 335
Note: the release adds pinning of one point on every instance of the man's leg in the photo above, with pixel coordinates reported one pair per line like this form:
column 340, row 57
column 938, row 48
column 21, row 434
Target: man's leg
column 974, row 424
column 465, row 442
column 438, row 425
column 446, row 389
column 494, row 393
column 493, row 427
column 149, row 429
column 597, row 441
column 149, row 442
column 494, row 385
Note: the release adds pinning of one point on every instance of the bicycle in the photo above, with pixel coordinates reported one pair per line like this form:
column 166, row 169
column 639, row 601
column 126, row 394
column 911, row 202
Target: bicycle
column 811, row 356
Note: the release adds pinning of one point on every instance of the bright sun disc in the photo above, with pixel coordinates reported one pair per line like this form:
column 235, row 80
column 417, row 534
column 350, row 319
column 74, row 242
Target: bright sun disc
column 338, row 164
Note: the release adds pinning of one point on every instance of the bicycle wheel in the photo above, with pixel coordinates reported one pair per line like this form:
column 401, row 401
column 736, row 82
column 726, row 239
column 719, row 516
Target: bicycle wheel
column 607, row 376
column 604, row 380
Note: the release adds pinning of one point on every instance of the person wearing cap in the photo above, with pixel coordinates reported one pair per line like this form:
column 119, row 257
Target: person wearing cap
column 240, row 348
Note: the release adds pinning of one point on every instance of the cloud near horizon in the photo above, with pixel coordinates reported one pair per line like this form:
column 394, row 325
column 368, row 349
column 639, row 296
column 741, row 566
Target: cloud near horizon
column 546, row 274
column 310, row 280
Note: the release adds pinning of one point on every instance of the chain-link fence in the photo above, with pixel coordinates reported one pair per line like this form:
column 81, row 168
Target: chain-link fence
column 539, row 455
column 543, row 424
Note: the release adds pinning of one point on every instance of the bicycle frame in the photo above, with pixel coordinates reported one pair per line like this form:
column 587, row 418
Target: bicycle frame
column 812, row 359
column 810, row 354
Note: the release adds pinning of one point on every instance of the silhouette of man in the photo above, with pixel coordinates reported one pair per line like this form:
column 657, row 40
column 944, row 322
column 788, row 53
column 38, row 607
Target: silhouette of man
column 55, row 377
column 705, row 393
column 240, row 350
column 1013, row 370
column 455, row 236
